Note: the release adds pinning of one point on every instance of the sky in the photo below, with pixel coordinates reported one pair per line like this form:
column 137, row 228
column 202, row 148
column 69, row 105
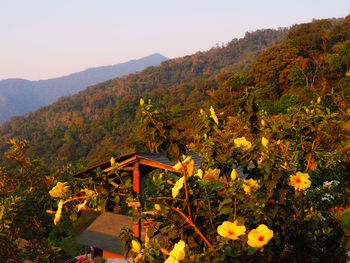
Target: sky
column 41, row 39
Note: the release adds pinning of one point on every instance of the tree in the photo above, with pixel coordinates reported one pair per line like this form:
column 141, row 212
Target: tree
column 310, row 38
column 23, row 204
column 274, row 64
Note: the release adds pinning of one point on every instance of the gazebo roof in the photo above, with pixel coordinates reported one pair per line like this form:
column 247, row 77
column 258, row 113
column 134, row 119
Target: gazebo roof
column 104, row 232
column 147, row 162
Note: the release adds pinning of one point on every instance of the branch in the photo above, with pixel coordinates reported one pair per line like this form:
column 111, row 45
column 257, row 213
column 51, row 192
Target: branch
column 155, row 124
column 186, row 192
column 165, row 197
column 308, row 163
column 285, row 152
column 189, row 221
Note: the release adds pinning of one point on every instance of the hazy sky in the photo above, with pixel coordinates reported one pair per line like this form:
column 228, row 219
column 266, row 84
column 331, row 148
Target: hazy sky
column 41, row 39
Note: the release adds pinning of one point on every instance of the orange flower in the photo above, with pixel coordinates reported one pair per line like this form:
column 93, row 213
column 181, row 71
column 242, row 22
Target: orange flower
column 260, row 236
column 300, row 181
column 231, row 230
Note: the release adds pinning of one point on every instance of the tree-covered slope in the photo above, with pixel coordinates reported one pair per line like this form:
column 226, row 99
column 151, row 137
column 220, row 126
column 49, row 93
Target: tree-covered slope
column 19, row 96
column 100, row 119
column 289, row 67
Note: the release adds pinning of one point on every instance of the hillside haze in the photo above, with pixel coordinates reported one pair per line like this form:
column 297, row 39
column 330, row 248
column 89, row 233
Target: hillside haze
column 19, row 96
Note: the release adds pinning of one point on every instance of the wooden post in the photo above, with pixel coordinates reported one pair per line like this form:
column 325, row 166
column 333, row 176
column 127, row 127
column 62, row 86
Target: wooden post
column 136, row 182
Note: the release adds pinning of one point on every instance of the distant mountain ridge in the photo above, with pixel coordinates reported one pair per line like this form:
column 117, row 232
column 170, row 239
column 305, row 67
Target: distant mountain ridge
column 19, row 96
column 100, row 120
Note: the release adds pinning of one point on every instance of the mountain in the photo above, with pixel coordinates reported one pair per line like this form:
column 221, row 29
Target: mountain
column 100, row 120
column 19, row 96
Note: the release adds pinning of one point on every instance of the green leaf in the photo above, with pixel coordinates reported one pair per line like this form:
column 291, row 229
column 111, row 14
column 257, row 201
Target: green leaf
column 270, row 184
column 282, row 195
column 172, row 152
column 225, row 207
column 225, row 211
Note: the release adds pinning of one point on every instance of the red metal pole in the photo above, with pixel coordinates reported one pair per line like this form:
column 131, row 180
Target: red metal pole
column 136, row 227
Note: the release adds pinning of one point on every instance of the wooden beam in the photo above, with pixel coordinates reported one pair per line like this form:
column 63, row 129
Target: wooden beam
column 126, row 168
column 136, row 178
column 103, row 165
column 124, row 164
column 156, row 164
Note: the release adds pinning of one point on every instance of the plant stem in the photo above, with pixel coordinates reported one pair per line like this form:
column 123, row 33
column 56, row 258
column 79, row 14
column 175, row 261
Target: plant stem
column 186, row 191
column 189, row 221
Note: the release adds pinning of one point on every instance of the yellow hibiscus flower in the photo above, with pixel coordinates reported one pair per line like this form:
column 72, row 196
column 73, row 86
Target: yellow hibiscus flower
column 242, row 143
column 135, row 246
column 177, row 254
column 58, row 212
column 142, row 102
column 231, row 230
column 234, row 174
column 300, row 181
column 249, row 185
column 59, row 190
column 177, row 187
column 264, row 142
column 259, row 236
column 188, row 163
column 212, row 174
column 213, row 115
column 82, row 206
column 200, row 173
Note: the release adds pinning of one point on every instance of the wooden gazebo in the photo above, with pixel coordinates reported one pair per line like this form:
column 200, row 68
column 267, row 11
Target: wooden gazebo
column 140, row 164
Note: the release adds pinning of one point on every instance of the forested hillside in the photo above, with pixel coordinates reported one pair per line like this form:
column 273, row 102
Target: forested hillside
column 312, row 61
column 274, row 106
column 100, row 119
column 19, row 96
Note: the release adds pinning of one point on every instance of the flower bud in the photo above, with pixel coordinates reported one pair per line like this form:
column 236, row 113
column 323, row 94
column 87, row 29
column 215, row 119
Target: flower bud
column 234, row 174
column 264, row 142
column 136, row 246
